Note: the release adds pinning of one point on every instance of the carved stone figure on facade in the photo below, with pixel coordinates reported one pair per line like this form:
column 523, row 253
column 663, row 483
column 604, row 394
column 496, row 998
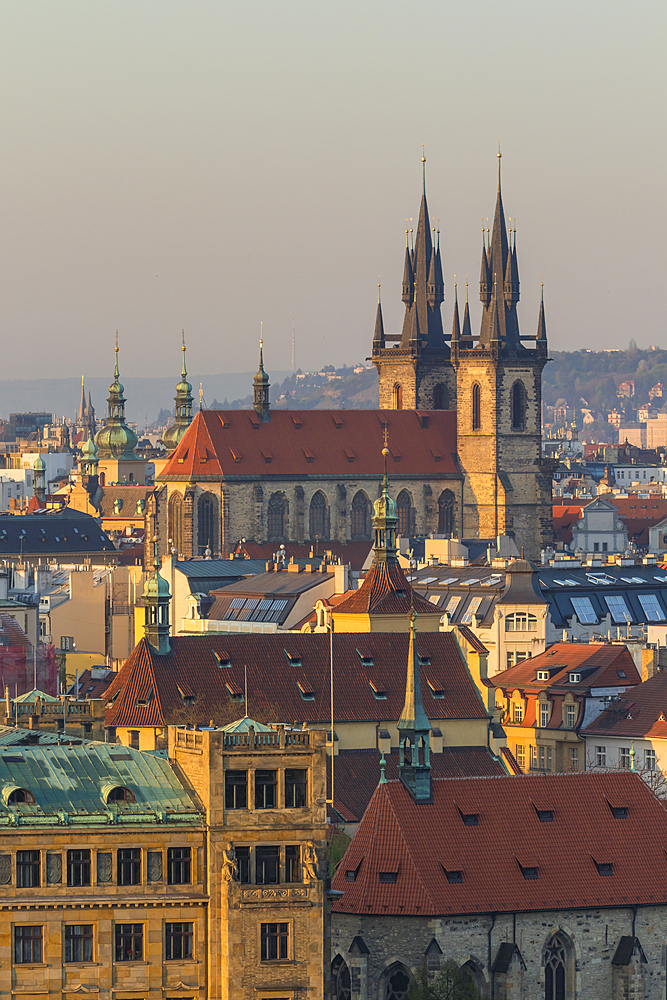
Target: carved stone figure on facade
column 230, row 868
column 310, row 862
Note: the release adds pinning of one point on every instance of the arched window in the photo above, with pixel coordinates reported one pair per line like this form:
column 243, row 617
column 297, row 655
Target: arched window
column 557, row 968
column 398, row 396
column 518, row 406
column 521, row 621
column 472, row 977
column 276, row 517
column 396, row 983
column 360, row 520
column 176, row 522
column 340, row 979
column 440, row 396
column 404, row 510
column 207, row 509
column 446, row 513
column 476, row 407
column 20, row 795
column 318, row 516
column 120, row 794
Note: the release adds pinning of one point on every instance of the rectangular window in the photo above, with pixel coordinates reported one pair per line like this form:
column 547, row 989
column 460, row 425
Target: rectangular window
column 133, row 736
column 570, row 716
column 27, row 945
column 624, row 758
column 545, row 758
column 265, row 789
column 296, row 788
column 544, row 714
column 267, row 865
column 649, row 760
column 274, row 942
column 651, row 607
column 27, row 869
column 129, row 867
column 521, row 757
column 517, row 712
column 452, row 605
column 601, row 756
column 510, row 660
column 79, row 943
column 584, row 610
column 179, row 866
column 471, row 610
column 243, row 861
column 618, row 609
column 178, row 941
column 236, row 789
column 292, row 863
column 78, row 867
column 574, row 758
column 533, row 757
column 596, row 546
column 129, row 942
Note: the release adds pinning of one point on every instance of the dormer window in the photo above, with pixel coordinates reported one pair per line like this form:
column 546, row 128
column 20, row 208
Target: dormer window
column 120, row 794
column 453, row 876
column 306, row 690
column 530, row 871
column 222, row 659
column 619, row 812
column 388, row 876
column 379, row 693
column 469, row 819
column 604, row 867
column 20, row 796
column 543, row 675
column 575, row 678
column 293, row 659
column 366, row 660
column 545, row 815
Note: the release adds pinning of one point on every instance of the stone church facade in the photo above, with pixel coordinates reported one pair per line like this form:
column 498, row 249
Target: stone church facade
column 462, row 414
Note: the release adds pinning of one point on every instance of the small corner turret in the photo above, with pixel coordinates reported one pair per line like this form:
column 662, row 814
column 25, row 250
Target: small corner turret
column 414, row 728
column 261, row 388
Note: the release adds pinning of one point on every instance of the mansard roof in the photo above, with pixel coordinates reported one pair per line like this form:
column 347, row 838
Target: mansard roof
column 311, row 443
column 422, row 843
column 288, row 679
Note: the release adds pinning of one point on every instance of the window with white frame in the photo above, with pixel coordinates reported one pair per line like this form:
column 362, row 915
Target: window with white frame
column 521, row 756
column 601, row 756
column 649, row 759
column 618, row 609
column 574, row 758
column 471, row 610
column 583, row 609
column 517, row 711
column 570, row 716
column 544, row 714
column 624, row 758
column 521, row 621
column 651, row 607
column 452, row 605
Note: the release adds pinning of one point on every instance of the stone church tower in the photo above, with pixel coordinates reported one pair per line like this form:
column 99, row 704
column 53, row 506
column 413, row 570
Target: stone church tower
column 417, row 373
column 507, row 486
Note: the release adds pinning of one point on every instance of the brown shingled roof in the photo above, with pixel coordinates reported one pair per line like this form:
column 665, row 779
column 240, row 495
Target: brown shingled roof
column 385, row 591
column 418, row 839
column 604, row 660
column 275, row 664
column 641, row 712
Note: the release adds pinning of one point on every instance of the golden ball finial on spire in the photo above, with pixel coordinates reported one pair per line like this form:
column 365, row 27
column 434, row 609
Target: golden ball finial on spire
column 499, row 154
column 116, row 341
column 183, row 346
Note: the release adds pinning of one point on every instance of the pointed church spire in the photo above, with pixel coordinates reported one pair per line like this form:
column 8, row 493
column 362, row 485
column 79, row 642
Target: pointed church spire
column 456, row 329
column 378, row 337
column 261, row 385
column 385, row 518
column 408, row 275
column 82, row 405
column 466, row 332
column 116, row 440
column 502, row 264
column 484, row 281
column 183, row 410
column 414, row 728
column 495, row 321
column 542, row 322
column 156, row 608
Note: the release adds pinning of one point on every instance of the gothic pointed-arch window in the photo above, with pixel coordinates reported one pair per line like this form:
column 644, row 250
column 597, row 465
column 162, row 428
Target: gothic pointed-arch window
column 396, row 983
column 476, row 407
column 207, row 509
column 440, row 396
column 446, row 513
column 176, row 522
column 398, row 396
column 318, row 516
column 557, row 968
column 404, row 511
column 360, row 519
column 276, row 517
column 473, row 977
column 518, row 406
column 340, row 979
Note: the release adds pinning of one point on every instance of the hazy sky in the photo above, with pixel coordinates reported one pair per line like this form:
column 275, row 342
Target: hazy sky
column 209, row 165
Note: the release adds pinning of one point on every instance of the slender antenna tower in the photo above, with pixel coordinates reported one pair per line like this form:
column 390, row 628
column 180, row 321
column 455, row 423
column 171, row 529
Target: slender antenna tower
column 293, row 368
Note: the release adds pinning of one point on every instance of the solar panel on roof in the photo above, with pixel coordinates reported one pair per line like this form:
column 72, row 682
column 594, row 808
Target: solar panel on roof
column 429, row 579
column 450, row 579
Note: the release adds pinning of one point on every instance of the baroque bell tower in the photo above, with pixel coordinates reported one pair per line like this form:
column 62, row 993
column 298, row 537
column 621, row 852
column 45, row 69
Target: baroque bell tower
column 507, row 485
column 416, row 372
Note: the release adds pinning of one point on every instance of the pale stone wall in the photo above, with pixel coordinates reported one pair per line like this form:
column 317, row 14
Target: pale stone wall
column 418, row 377
column 593, row 936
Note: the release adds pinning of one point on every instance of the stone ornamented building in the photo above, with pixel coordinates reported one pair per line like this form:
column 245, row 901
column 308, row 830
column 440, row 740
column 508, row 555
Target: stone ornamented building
column 464, row 434
column 535, row 886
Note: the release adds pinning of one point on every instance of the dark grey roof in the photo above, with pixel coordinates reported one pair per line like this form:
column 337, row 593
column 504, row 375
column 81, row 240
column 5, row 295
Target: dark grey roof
column 54, row 533
column 626, row 949
column 283, row 582
column 205, row 575
column 523, row 585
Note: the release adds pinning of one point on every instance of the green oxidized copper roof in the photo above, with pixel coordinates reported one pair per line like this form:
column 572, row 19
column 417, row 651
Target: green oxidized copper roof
column 71, row 784
column 89, row 450
column 40, row 464
column 116, row 439
column 243, row 725
column 33, row 695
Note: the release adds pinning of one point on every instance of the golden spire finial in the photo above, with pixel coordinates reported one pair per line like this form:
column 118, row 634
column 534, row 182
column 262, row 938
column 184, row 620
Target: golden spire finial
column 385, row 450
column 423, row 152
column 201, row 395
column 116, row 341
column 499, row 154
column 183, row 333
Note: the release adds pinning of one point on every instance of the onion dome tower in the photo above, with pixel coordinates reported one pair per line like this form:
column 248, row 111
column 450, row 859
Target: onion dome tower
column 414, row 729
column 261, row 389
column 88, row 460
column 173, row 435
column 156, row 606
column 116, row 440
column 39, row 478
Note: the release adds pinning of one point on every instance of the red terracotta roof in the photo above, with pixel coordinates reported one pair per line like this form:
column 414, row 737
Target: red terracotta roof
column 275, row 664
column 309, row 443
column 641, row 711
column 12, row 633
column 563, row 519
column 472, row 639
column 385, row 591
column 602, row 659
column 357, row 772
column 422, row 842
column 353, row 554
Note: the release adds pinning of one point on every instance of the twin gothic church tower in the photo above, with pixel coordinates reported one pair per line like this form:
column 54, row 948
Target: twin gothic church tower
column 492, row 380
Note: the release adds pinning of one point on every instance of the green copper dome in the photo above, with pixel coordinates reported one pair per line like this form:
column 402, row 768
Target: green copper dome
column 116, row 439
column 173, row 435
column 40, row 464
column 156, row 586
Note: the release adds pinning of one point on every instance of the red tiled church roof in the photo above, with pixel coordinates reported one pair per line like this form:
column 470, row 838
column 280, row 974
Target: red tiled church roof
column 421, row 843
column 276, row 664
column 314, row 443
column 385, row 591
